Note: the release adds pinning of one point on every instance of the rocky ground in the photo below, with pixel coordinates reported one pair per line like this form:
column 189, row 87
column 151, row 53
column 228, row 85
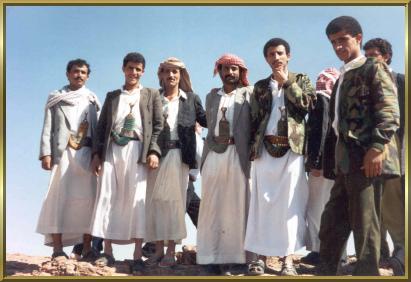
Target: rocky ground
column 23, row 265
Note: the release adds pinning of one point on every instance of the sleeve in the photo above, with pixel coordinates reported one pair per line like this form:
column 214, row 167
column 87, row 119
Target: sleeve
column 200, row 112
column 157, row 123
column 99, row 136
column 317, row 125
column 385, row 107
column 300, row 93
column 46, row 134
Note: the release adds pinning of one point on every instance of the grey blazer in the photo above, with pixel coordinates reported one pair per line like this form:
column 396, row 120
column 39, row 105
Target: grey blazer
column 241, row 125
column 152, row 119
column 56, row 130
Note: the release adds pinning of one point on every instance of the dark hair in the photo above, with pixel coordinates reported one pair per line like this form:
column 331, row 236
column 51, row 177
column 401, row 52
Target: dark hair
column 382, row 45
column 274, row 42
column 344, row 23
column 135, row 58
column 79, row 63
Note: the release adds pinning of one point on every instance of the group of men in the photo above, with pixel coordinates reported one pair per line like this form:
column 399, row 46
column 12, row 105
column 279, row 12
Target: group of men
column 256, row 200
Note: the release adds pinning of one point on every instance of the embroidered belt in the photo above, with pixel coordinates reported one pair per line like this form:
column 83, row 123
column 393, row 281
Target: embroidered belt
column 281, row 141
column 224, row 140
column 276, row 146
column 84, row 142
column 173, row 144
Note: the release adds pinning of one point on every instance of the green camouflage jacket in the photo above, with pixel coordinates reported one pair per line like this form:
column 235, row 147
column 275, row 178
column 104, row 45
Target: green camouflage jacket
column 368, row 118
column 299, row 95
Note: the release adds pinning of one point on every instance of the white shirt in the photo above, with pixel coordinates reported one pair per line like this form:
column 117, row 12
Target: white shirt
column 356, row 63
column 227, row 100
column 278, row 101
column 127, row 99
column 170, row 107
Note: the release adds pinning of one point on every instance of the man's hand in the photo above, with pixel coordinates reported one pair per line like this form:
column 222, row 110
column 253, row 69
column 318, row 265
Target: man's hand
column 316, row 172
column 279, row 73
column 372, row 163
column 152, row 161
column 96, row 165
column 46, row 162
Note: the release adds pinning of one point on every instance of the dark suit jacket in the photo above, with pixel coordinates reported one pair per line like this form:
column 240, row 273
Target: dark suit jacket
column 151, row 116
column 190, row 110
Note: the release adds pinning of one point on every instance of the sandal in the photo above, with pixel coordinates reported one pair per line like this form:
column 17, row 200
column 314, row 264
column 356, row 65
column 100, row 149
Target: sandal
column 288, row 270
column 105, row 260
column 137, row 267
column 153, row 260
column 167, row 262
column 256, row 267
column 55, row 255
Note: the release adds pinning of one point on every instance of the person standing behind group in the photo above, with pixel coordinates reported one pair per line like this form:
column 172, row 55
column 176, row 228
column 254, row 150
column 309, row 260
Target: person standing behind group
column 225, row 170
column 393, row 194
column 166, row 197
column 359, row 150
column 69, row 125
column 319, row 187
column 126, row 143
column 279, row 104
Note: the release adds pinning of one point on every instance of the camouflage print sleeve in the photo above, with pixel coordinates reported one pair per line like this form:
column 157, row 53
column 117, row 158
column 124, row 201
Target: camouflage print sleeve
column 385, row 107
column 300, row 92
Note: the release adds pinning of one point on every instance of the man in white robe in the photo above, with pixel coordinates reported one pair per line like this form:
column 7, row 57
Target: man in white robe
column 279, row 104
column 125, row 147
column 225, row 169
column 69, row 125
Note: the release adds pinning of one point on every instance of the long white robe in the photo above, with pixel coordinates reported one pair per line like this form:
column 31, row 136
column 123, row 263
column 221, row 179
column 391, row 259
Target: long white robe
column 68, row 205
column 167, row 188
column 276, row 220
column 319, row 194
column 223, row 208
column 120, row 209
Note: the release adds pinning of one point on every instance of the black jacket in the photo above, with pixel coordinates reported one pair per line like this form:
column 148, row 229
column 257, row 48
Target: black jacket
column 190, row 110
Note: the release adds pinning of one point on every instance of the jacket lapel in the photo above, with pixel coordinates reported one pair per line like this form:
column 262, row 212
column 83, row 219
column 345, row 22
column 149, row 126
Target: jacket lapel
column 238, row 103
column 215, row 102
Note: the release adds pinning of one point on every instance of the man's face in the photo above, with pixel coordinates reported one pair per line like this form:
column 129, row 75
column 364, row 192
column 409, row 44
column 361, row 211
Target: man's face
column 170, row 77
column 277, row 57
column 346, row 46
column 77, row 76
column 375, row 52
column 230, row 74
column 133, row 72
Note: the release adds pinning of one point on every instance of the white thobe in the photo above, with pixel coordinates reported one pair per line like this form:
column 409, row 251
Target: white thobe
column 68, row 205
column 120, row 209
column 224, row 188
column 279, row 194
column 167, row 187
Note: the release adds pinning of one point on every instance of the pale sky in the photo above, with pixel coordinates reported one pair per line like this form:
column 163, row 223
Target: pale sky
column 40, row 40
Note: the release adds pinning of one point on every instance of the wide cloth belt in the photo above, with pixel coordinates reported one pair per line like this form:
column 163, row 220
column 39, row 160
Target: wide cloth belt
column 173, row 144
column 224, row 140
column 276, row 146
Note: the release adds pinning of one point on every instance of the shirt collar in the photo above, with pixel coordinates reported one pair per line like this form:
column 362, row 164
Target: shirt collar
column 353, row 64
column 222, row 92
column 132, row 92
column 181, row 95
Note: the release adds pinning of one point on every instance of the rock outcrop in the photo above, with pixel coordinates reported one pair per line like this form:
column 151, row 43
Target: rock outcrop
column 23, row 265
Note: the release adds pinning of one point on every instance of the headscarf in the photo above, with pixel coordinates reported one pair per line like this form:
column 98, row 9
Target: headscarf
column 326, row 80
column 231, row 59
column 172, row 62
